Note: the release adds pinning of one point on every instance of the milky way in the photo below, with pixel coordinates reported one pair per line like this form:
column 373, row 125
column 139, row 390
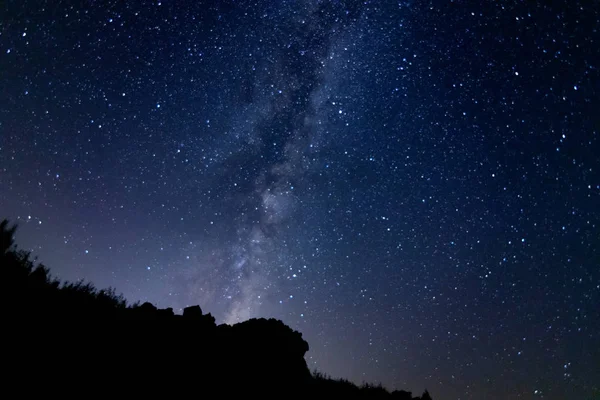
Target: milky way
column 412, row 185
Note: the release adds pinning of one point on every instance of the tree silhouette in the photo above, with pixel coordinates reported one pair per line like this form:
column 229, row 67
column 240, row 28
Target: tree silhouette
column 425, row 396
column 6, row 236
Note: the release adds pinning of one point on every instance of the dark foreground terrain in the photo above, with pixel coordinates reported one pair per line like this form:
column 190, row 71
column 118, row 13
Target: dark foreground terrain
column 69, row 339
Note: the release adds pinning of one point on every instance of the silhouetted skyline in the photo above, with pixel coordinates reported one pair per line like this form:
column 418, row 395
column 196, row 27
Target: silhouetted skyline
column 83, row 338
column 414, row 186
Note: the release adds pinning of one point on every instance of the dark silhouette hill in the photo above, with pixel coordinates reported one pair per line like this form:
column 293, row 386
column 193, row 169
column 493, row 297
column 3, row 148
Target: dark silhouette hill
column 70, row 339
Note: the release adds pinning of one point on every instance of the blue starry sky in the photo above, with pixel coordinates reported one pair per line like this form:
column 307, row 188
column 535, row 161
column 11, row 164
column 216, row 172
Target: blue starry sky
column 413, row 185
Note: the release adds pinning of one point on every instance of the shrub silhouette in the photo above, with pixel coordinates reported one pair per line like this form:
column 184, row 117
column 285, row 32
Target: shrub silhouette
column 75, row 340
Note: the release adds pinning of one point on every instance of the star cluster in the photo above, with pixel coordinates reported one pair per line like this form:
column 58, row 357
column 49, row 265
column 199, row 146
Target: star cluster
column 413, row 185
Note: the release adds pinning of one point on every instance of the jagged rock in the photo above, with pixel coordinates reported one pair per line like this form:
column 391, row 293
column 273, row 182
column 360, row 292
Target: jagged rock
column 209, row 319
column 148, row 308
column 166, row 312
column 193, row 312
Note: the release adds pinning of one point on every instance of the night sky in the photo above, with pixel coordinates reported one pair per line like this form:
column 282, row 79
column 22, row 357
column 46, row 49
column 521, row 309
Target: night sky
column 413, row 185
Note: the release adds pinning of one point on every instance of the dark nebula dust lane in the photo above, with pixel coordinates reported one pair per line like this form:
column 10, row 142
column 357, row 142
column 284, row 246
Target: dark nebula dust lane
column 414, row 186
